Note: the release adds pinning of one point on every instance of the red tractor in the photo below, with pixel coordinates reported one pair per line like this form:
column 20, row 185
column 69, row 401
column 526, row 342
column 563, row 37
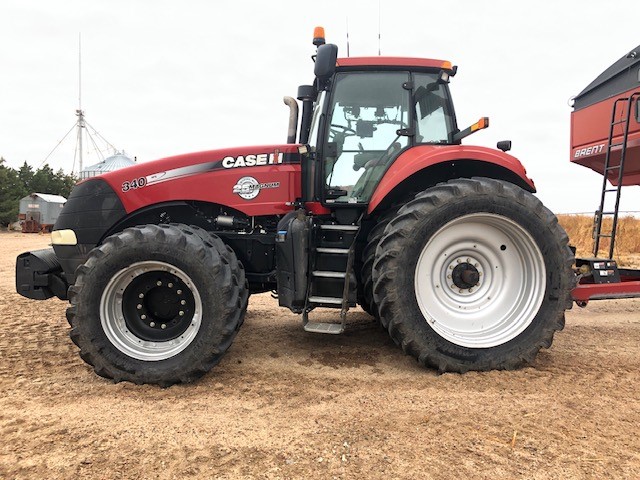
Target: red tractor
column 373, row 201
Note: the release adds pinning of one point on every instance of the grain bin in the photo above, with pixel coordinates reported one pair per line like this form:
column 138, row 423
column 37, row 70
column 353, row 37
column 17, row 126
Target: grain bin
column 39, row 211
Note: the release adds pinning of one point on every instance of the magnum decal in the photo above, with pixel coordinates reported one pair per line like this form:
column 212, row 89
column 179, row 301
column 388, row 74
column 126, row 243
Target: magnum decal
column 249, row 188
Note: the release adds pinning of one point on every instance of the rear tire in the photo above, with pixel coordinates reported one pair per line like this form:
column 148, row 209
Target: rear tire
column 365, row 297
column 474, row 274
column 157, row 304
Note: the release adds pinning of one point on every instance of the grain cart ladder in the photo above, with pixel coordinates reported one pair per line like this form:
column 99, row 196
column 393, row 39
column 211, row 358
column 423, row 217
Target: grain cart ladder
column 622, row 107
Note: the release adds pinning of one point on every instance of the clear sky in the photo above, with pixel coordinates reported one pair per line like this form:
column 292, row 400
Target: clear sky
column 166, row 77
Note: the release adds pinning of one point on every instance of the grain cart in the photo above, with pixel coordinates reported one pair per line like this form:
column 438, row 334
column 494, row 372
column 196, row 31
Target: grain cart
column 605, row 136
column 374, row 200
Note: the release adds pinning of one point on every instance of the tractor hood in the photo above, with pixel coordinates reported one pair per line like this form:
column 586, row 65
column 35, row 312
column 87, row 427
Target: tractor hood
column 211, row 176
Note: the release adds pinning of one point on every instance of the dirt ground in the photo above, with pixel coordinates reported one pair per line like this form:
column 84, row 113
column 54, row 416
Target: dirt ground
column 288, row 404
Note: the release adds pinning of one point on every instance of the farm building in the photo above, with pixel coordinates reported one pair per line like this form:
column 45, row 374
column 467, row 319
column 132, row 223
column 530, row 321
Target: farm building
column 115, row 162
column 39, row 211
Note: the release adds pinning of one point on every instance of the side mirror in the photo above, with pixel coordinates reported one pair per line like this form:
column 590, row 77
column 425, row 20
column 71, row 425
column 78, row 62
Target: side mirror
column 326, row 62
column 443, row 77
column 504, row 145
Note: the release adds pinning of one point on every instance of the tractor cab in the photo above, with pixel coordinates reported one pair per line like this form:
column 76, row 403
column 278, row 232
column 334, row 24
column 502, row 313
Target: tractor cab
column 365, row 112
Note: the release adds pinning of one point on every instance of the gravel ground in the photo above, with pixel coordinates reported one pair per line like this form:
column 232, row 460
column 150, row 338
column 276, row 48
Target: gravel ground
column 288, row 404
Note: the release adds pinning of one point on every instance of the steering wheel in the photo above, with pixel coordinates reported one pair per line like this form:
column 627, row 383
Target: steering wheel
column 335, row 129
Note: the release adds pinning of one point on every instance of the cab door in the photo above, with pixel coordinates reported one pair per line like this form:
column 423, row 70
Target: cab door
column 368, row 123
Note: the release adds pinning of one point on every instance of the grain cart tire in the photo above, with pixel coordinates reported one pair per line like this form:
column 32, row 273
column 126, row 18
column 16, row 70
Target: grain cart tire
column 156, row 304
column 473, row 274
column 366, row 299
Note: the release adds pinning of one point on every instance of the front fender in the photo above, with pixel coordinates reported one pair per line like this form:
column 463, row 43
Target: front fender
column 416, row 159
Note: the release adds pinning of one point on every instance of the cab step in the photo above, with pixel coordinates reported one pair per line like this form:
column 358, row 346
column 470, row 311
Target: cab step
column 332, row 283
column 328, row 274
column 333, row 251
column 326, row 328
column 325, row 300
column 340, row 228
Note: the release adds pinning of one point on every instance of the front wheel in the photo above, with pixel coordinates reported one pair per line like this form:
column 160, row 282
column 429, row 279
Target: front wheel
column 157, row 304
column 473, row 274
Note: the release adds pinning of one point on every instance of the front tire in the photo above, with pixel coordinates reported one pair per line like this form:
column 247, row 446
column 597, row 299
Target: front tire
column 473, row 274
column 157, row 304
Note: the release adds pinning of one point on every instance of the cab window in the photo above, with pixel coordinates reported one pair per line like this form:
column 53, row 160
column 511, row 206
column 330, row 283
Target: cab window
column 434, row 118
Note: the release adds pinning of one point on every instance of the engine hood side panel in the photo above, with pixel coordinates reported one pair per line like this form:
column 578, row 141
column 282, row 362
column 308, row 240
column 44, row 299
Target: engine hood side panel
column 254, row 180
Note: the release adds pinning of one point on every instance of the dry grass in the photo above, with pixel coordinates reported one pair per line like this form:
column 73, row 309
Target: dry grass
column 627, row 246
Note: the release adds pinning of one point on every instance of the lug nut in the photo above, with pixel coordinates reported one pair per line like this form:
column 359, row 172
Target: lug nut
column 159, row 283
column 181, row 313
column 179, row 292
column 170, row 285
column 139, row 307
column 152, row 324
column 163, row 326
column 183, row 302
column 143, row 317
column 141, row 295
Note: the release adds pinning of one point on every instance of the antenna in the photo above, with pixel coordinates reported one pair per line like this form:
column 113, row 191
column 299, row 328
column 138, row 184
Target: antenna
column 79, row 112
column 347, row 36
column 379, row 28
column 79, row 71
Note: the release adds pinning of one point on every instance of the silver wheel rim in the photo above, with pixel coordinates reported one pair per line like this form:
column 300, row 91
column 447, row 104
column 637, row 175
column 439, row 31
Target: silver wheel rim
column 113, row 321
column 510, row 273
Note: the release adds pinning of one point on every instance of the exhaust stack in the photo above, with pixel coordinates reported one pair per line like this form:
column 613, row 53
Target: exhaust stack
column 293, row 119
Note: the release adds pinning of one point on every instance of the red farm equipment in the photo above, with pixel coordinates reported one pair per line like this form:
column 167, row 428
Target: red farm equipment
column 605, row 136
column 373, row 201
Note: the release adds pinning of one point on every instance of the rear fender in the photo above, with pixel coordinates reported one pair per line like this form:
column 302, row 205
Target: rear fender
column 426, row 165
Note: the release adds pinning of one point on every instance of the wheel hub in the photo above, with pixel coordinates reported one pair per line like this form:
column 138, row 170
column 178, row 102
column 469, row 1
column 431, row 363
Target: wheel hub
column 157, row 306
column 464, row 274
